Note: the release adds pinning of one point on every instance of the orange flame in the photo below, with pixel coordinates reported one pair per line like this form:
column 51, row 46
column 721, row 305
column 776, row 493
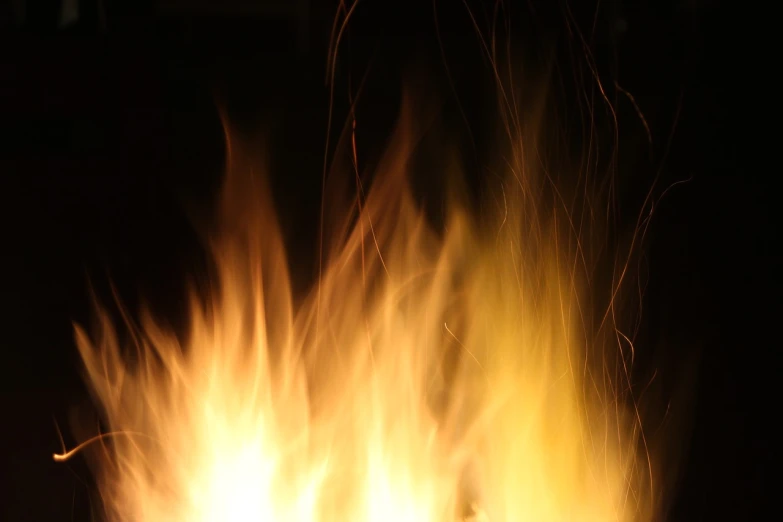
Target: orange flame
column 431, row 375
column 428, row 372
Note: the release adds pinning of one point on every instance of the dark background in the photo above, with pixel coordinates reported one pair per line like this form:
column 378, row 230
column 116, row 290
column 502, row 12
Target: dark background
column 110, row 143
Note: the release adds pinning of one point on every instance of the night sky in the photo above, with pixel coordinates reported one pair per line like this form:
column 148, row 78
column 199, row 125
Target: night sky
column 111, row 148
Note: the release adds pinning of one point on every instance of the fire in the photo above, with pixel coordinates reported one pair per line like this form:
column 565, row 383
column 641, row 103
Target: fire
column 433, row 374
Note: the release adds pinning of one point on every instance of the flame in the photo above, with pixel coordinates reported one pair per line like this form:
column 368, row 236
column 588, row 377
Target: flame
column 433, row 373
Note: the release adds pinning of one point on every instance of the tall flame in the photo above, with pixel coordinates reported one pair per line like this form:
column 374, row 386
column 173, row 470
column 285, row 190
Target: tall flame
column 432, row 374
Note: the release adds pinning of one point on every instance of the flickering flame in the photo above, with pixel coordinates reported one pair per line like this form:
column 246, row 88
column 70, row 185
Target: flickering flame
column 433, row 373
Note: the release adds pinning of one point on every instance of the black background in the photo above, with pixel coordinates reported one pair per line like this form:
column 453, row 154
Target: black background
column 110, row 142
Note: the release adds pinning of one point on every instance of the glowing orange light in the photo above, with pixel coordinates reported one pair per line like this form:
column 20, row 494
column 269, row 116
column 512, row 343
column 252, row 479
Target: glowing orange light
column 429, row 370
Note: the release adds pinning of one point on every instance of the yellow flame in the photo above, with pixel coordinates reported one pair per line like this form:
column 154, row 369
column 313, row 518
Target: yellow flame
column 429, row 371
